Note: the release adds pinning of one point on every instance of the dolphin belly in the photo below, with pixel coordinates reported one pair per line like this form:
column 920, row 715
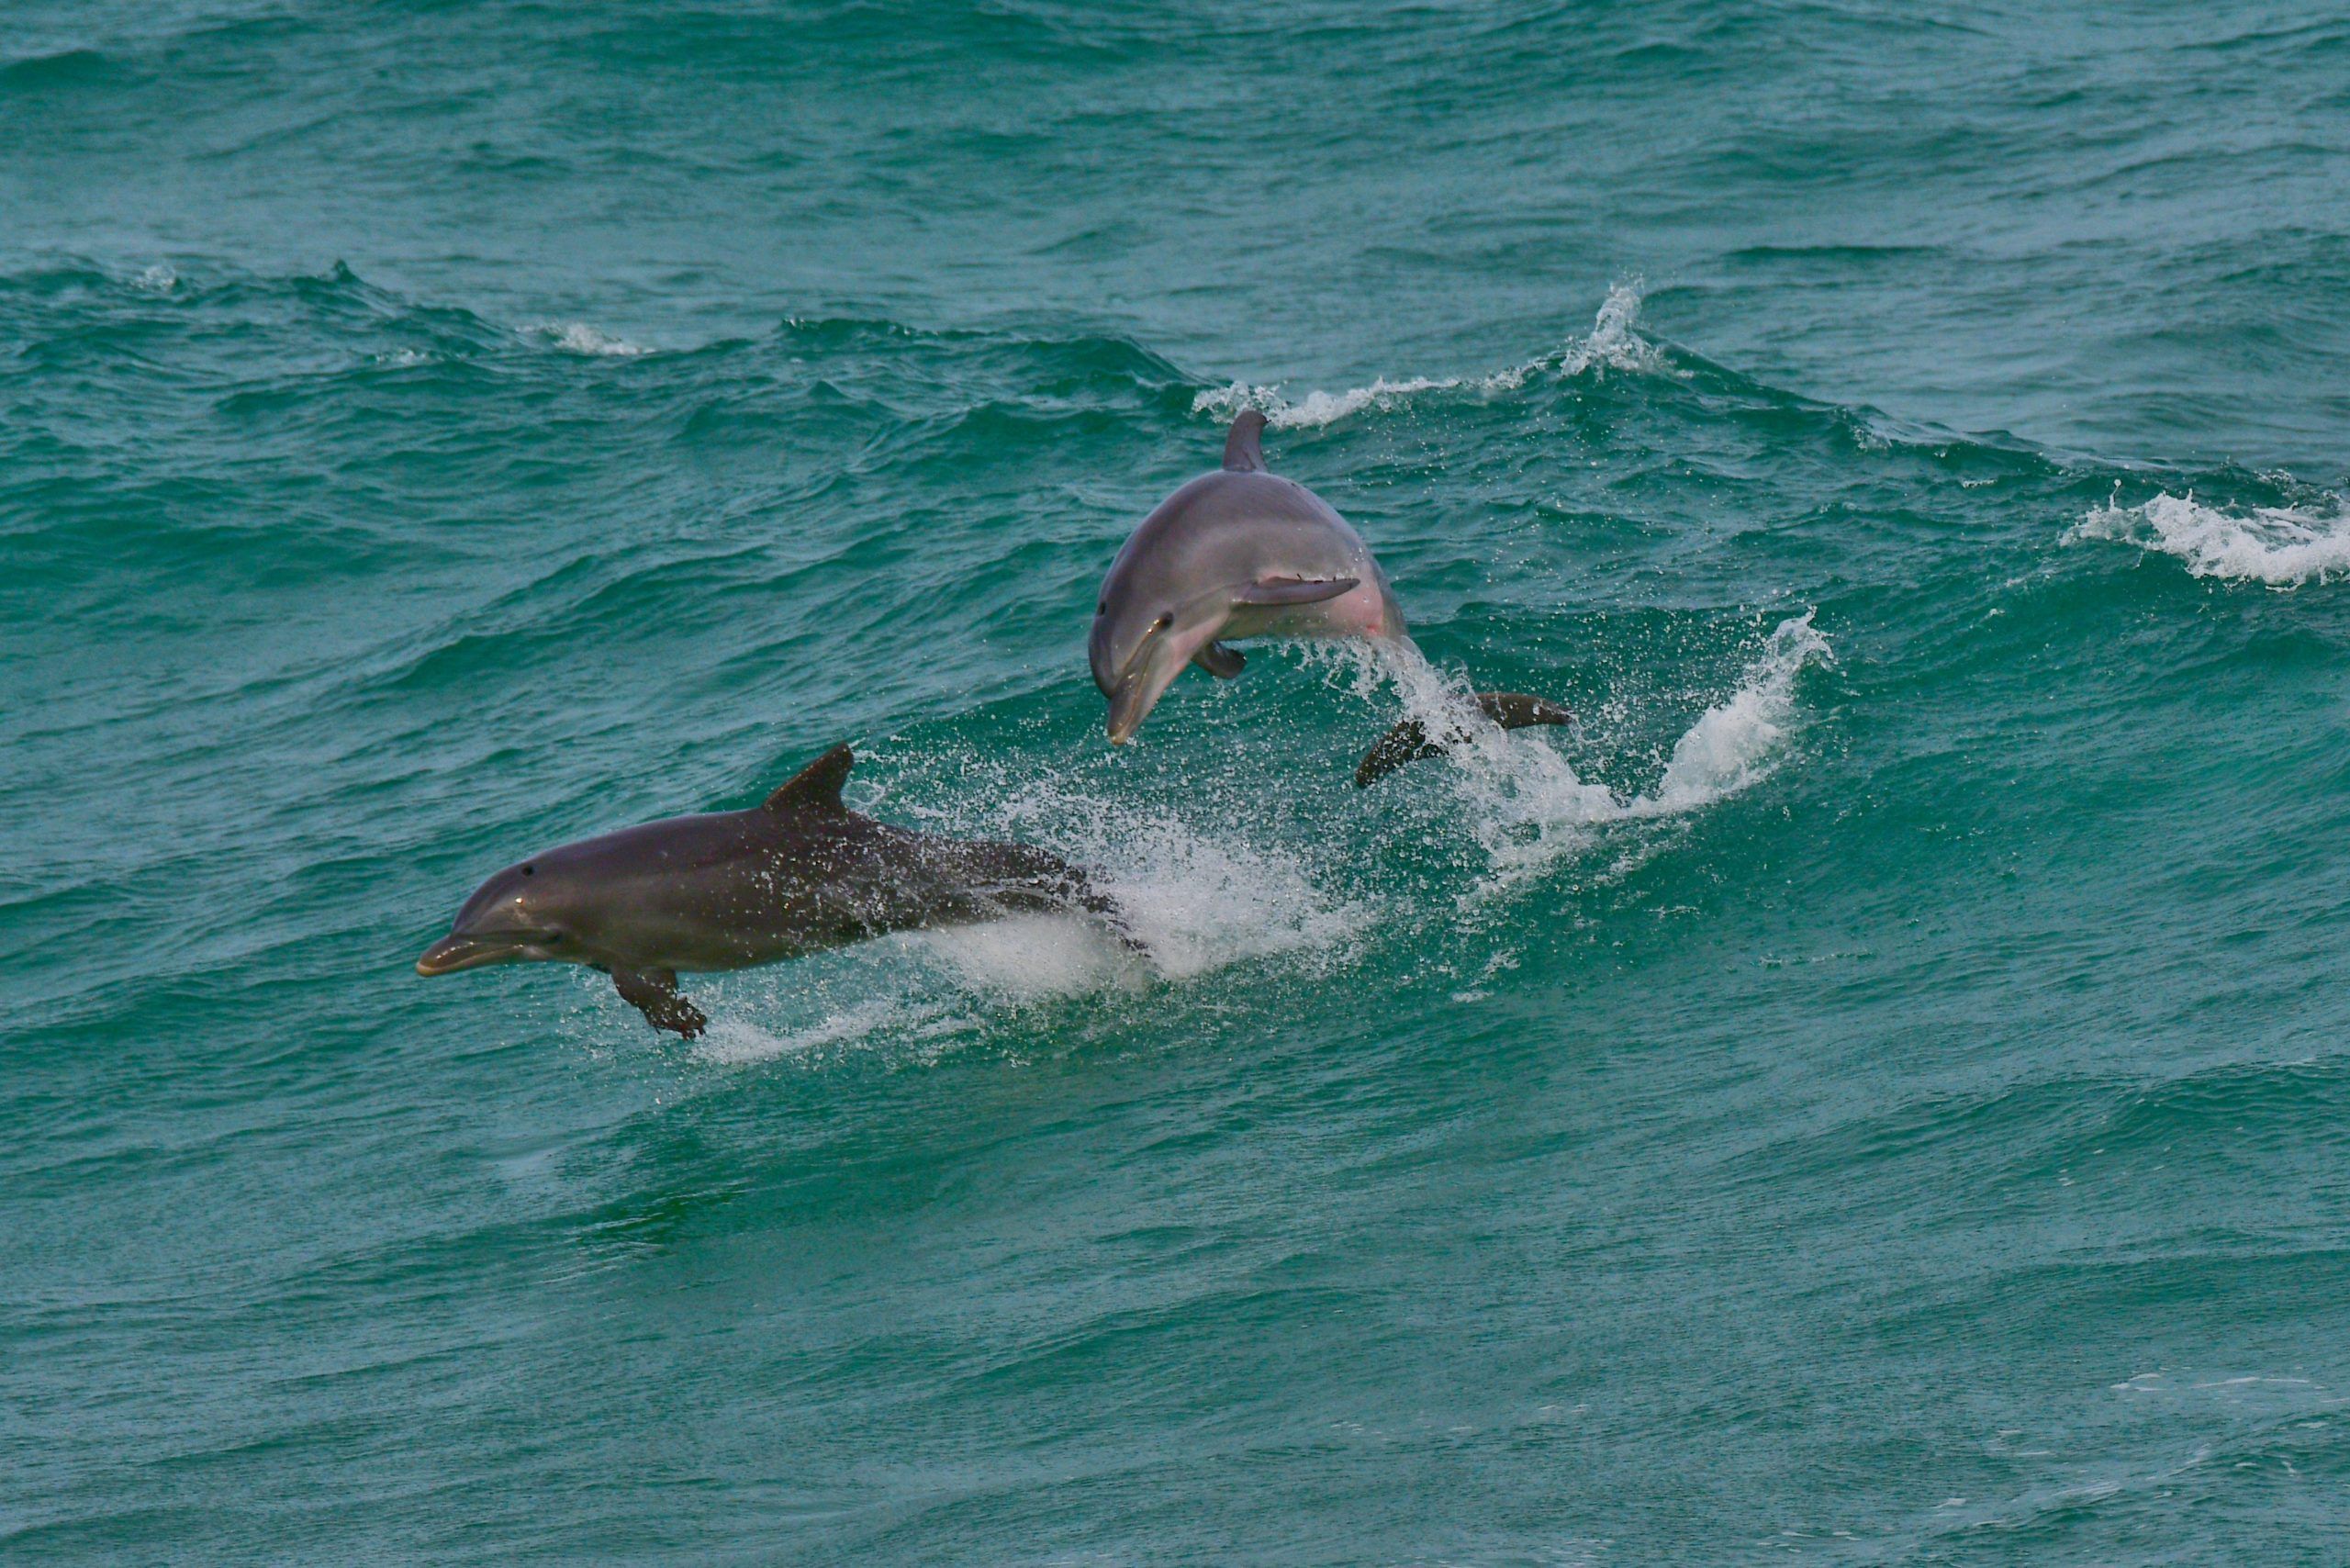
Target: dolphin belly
column 1366, row 610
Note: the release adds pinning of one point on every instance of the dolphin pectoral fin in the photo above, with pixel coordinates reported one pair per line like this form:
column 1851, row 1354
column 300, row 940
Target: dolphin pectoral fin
column 653, row 992
column 1292, row 590
column 1409, row 742
column 1244, row 448
column 1219, row 661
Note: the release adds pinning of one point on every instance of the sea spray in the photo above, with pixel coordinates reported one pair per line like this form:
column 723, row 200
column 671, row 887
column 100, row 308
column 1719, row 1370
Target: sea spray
column 1734, row 742
column 1199, row 887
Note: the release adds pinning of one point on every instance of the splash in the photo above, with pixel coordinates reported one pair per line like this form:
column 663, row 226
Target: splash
column 1527, row 806
column 1613, row 344
column 1197, row 889
column 1033, row 958
column 1204, row 892
column 579, row 338
column 1731, row 744
column 2282, row 547
column 1201, row 898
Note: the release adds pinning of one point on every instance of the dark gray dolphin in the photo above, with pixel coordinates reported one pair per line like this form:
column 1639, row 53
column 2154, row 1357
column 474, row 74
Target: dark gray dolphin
column 795, row 875
column 1244, row 553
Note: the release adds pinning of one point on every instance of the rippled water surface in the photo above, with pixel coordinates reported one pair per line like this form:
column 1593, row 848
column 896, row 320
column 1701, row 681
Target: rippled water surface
column 1874, row 1091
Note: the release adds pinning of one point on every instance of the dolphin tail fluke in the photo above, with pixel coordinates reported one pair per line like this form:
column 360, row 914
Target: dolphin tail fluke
column 1409, row 741
column 1244, row 449
column 1517, row 711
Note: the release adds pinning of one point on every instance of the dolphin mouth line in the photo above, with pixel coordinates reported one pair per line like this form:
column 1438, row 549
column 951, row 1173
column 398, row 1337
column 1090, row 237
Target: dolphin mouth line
column 1130, row 704
column 454, row 952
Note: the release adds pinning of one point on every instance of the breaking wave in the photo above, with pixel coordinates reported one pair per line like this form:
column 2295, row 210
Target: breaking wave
column 1612, row 344
column 2282, row 547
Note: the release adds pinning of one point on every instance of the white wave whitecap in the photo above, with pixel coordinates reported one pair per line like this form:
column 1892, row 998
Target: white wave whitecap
column 2282, row 547
column 579, row 338
column 1613, row 344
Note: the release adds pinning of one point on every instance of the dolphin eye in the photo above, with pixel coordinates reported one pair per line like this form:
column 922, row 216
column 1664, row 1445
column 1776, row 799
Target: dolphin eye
column 1103, row 607
column 527, row 870
column 1164, row 621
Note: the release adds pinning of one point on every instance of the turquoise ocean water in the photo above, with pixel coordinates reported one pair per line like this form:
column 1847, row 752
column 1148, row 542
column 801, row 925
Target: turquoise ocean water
column 1876, row 1093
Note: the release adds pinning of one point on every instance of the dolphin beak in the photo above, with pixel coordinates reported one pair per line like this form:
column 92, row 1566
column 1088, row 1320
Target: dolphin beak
column 1128, row 707
column 452, row 953
column 1138, row 695
column 1150, row 670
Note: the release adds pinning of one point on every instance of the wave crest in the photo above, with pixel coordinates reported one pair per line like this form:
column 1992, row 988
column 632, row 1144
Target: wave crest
column 1612, row 344
column 579, row 338
column 2282, row 547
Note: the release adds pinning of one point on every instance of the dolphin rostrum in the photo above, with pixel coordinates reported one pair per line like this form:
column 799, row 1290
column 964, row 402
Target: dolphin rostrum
column 795, row 875
column 1244, row 553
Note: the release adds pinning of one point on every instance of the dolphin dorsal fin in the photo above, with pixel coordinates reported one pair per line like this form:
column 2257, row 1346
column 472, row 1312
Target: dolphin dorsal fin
column 817, row 787
column 1244, row 451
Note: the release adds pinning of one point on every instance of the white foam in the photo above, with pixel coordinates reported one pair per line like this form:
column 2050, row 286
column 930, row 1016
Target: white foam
column 1031, row 958
column 578, row 337
column 2282, row 547
column 1613, row 344
column 157, row 279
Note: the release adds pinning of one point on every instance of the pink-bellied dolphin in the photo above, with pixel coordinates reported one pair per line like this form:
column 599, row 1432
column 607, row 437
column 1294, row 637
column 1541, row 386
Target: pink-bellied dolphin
column 1245, row 552
column 797, row 874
